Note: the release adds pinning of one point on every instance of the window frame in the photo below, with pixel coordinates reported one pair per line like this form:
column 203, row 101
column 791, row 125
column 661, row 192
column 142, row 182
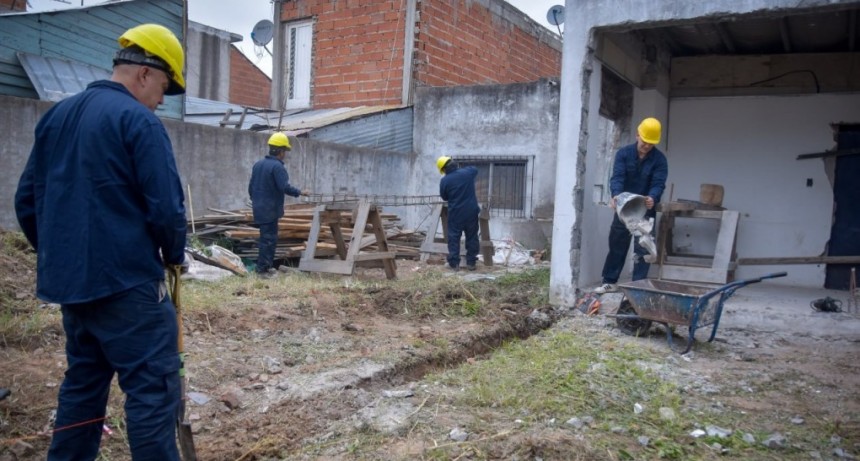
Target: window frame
column 486, row 165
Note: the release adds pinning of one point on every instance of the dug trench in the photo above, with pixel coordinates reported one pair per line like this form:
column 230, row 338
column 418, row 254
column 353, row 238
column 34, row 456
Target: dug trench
column 362, row 341
column 274, row 363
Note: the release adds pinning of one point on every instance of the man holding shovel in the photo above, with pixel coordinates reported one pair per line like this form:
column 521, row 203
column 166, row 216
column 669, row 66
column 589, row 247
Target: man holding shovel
column 101, row 202
column 640, row 168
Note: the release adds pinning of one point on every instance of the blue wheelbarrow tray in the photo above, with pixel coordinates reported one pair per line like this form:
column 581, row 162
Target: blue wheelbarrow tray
column 674, row 303
column 671, row 302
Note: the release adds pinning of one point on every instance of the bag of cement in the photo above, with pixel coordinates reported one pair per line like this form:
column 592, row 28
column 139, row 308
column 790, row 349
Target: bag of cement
column 510, row 253
column 221, row 257
column 227, row 259
column 199, row 270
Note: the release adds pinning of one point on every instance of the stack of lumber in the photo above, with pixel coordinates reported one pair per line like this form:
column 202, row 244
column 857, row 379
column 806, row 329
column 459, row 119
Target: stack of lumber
column 235, row 229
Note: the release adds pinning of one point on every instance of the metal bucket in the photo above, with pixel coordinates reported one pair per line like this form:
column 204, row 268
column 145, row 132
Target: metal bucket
column 630, row 207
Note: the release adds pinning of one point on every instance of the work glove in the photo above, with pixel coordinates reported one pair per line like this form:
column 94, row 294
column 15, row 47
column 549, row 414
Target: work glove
column 183, row 266
column 186, row 263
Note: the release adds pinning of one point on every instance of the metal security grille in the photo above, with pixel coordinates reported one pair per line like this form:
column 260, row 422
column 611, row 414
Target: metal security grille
column 503, row 184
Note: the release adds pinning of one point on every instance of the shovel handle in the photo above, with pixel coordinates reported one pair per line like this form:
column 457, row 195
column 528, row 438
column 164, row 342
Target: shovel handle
column 175, row 284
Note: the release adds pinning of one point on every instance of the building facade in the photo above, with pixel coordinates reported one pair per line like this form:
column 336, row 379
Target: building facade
column 376, row 52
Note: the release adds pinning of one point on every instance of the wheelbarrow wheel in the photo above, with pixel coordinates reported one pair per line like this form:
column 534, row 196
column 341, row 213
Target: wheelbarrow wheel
column 628, row 325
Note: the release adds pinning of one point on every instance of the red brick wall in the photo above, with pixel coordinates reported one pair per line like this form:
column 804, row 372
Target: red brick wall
column 358, row 48
column 249, row 86
column 14, row 5
column 461, row 42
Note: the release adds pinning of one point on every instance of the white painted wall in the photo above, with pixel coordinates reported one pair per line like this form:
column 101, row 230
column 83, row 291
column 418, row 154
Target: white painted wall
column 570, row 229
column 750, row 146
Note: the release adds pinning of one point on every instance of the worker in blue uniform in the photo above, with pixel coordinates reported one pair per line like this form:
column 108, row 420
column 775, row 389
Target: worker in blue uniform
column 101, row 201
column 457, row 187
column 640, row 168
column 267, row 187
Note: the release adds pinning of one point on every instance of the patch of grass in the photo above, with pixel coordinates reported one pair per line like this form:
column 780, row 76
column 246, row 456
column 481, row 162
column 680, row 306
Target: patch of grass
column 536, row 277
column 559, row 374
column 556, row 376
column 430, row 295
column 22, row 322
column 236, row 292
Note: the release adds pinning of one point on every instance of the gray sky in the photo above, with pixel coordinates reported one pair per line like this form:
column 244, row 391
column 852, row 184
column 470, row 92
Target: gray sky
column 239, row 16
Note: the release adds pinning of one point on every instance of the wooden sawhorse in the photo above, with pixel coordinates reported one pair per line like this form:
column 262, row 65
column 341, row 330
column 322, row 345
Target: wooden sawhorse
column 718, row 268
column 364, row 214
column 433, row 245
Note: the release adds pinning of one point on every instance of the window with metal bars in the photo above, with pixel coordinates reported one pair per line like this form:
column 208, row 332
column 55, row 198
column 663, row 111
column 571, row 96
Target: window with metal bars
column 503, row 184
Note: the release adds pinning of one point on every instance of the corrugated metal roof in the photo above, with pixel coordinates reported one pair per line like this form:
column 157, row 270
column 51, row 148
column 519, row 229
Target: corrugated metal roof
column 388, row 130
column 380, row 127
column 56, row 79
column 82, row 36
column 211, row 113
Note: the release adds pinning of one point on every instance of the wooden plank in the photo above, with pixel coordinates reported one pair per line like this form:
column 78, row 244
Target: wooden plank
column 726, row 240
column 799, row 260
column 436, row 248
column 688, row 261
column 313, row 237
column 337, row 235
column 696, row 274
column 374, row 256
column 829, row 153
column 360, row 214
column 704, row 214
column 487, row 249
column 382, row 244
column 330, row 266
column 675, row 206
column 430, row 245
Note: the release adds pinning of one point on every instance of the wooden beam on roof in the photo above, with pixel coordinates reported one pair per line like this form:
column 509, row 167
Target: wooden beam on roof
column 785, row 34
column 725, row 37
column 852, row 29
column 829, row 153
column 799, row 260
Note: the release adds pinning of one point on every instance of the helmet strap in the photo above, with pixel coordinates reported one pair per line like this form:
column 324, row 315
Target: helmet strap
column 134, row 55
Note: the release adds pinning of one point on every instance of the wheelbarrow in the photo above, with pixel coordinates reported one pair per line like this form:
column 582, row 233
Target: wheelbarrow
column 673, row 304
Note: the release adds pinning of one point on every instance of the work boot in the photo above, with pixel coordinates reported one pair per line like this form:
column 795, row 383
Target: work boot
column 265, row 275
column 454, row 268
column 4, row 393
column 606, row 288
column 470, row 267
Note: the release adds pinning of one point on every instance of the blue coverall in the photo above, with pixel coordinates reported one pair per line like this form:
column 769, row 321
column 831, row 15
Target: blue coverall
column 101, row 201
column 457, row 188
column 269, row 183
column 644, row 177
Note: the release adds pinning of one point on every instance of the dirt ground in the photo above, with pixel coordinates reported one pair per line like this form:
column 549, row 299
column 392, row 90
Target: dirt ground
column 277, row 370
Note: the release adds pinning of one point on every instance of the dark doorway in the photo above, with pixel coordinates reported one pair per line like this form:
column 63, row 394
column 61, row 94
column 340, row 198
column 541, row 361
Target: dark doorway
column 845, row 233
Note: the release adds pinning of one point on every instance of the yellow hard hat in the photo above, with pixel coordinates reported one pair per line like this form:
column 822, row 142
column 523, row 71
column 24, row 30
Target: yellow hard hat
column 649, row 130
column 280, row 140
column 157, row 41
column 441, row 162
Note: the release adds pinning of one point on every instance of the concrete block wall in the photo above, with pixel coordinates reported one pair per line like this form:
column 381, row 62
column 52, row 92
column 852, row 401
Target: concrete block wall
column 516, row 120
column 215, row 163
column 249, row 86
column 358, row 47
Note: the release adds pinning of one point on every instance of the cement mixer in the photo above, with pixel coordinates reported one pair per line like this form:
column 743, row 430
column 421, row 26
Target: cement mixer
column 631, row 210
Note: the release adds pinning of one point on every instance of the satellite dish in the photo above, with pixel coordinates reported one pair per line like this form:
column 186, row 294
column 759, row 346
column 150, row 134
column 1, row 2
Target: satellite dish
column 262, row 33
column 555, row 15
